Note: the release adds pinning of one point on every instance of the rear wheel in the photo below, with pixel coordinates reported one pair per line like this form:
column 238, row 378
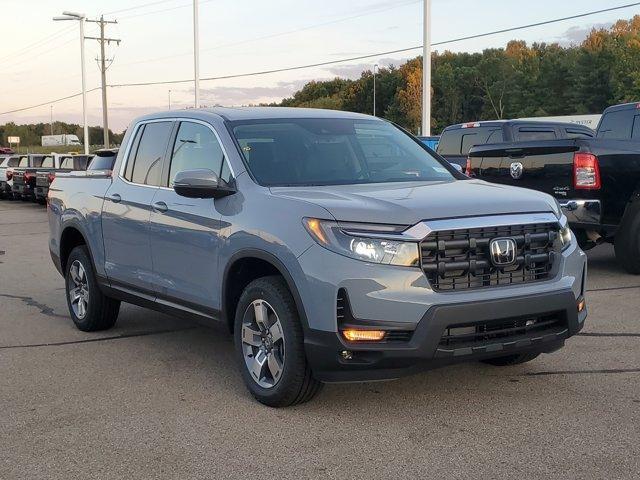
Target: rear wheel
column 269, row 345
column 89, row 308
column 511, row 359
column 627, row 242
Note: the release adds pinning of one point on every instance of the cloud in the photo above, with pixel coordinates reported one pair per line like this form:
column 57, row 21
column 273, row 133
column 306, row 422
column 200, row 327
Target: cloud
column 576, row 35
column 354, row 70
column 225, row 95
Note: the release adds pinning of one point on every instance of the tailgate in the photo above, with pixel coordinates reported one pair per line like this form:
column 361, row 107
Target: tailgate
column 546, row 166
column 42, row 179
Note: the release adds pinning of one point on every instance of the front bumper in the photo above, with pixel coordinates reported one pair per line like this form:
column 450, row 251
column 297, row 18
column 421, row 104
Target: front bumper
column 582, row 212
column 425, row 349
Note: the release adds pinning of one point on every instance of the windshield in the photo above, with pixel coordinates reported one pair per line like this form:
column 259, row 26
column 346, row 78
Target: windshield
column 289, row 152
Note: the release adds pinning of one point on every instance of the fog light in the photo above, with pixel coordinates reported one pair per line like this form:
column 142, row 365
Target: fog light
column 581, row 304
column 354, row 335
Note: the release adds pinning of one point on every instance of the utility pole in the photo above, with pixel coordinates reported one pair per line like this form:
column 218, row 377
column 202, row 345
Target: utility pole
column 169, row 99
column 103, row 72
column 51, row 120
column 426, row 70
column 196, row 53
column 375, row 68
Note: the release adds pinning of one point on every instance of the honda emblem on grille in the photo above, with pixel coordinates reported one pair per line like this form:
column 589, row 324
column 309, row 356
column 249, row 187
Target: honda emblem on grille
column 503, row 251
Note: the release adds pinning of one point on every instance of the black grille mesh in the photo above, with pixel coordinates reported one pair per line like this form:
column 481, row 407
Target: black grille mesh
column 460, row 259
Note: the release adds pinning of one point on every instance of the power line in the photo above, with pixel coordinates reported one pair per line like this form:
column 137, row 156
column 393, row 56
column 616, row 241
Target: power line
column 49, row 102
column 202, row 2
column 144, row 5
column 278, row 34
column 390, row 52
column 38, row 43
column 361, row 57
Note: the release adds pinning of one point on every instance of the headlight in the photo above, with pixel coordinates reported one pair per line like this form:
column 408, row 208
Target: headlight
column 356, row 244
column 566, row 237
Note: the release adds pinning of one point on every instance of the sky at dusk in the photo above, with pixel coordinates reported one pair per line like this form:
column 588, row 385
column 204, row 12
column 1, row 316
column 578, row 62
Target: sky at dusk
column 241, row 36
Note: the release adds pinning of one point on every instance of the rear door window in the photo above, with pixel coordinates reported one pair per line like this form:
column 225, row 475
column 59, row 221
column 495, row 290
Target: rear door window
column 24, row 162
column 147, row 163
column 526, row 134
column 47, row 162
column 616, row 125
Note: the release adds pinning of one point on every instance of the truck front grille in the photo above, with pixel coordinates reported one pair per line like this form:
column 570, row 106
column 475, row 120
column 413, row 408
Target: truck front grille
column 460, row 259
column 472, row 334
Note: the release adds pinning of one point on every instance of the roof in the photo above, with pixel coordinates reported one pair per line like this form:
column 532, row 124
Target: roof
column 257, row 113
column 495, row 123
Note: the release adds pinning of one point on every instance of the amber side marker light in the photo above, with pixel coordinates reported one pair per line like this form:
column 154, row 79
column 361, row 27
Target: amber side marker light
column 354, row 335
column 581, row 305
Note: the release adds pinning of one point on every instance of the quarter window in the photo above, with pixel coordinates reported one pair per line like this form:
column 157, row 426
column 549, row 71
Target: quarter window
column 196, row 147
column 147, row 164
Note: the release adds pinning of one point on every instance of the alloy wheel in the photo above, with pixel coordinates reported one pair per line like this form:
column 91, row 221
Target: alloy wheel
column 78, row 289
column 263, row 343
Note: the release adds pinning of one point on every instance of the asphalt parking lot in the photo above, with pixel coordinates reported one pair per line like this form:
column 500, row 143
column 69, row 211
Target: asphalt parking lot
column 160, row 397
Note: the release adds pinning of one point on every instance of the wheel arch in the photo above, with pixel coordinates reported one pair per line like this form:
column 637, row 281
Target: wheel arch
column 72, row 237
column 235, row 280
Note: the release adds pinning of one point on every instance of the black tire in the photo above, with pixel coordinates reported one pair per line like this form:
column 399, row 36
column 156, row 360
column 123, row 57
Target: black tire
column 516, row 359
column 296, row 383
column 101, row 312
column 627, row 241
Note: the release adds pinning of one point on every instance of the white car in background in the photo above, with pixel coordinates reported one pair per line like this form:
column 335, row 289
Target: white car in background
column 7, row 163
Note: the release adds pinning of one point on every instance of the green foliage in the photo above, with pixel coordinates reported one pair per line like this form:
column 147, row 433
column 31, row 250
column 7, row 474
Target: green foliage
column 30, row 134
column 516, row 81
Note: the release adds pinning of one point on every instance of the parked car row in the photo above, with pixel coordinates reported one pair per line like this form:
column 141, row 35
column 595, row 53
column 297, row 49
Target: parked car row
column 594, row 175
column 28, row 177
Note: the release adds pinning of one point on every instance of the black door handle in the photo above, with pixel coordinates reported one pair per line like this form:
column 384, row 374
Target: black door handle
column 160, row 207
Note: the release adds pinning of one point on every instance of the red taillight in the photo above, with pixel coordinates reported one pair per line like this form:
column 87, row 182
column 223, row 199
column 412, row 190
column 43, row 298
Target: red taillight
column 467, row 170
column 9, row 175
column 586, row 171
column 51, row 176
column 27, row 176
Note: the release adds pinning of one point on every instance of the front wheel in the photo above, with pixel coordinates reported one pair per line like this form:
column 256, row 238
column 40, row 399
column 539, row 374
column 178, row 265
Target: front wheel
column 89, row 308
column 269, row 345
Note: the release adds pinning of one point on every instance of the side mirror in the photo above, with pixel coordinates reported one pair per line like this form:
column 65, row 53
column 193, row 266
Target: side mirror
column 201, row 183
column 457, row 167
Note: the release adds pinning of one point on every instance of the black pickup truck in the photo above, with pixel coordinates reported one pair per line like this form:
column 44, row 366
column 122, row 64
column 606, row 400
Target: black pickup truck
column 595, row 180
column 456, row 140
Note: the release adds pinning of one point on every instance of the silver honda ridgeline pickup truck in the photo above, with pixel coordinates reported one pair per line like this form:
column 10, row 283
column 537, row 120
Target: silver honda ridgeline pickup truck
column 335, row 246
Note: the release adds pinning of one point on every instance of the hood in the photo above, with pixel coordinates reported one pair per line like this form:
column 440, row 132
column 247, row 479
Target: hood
column 410, row 203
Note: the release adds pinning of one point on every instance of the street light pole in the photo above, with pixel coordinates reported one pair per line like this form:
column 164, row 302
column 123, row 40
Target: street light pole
column 81, row 18
column 196, row 54
column 84, row 88
column 375, row 67
column 51, row 120
column 426, row 70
